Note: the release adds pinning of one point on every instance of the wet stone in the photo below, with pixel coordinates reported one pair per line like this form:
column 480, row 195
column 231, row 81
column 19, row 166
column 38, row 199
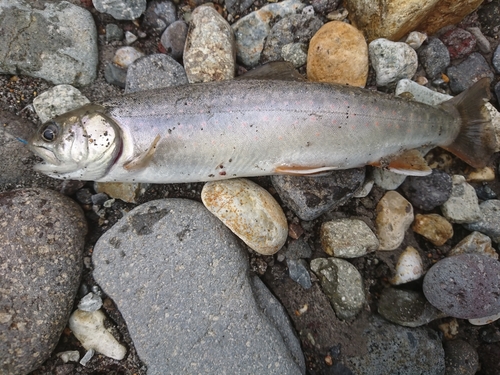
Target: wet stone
column 434, row 57
column 464, row 75
column 460, row 358
column 173, row 39
column 460, row 42
column 310, row 197
column 475, row 243
column 121, row 9
column 159, row 15
column 428, row 192
column 298, row 272
column 489, row 223
column 462, row 206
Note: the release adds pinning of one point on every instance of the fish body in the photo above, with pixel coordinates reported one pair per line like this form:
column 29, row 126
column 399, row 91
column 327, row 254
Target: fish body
column 243, row 128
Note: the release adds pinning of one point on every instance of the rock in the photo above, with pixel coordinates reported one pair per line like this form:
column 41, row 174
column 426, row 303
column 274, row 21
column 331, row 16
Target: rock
column 338, row 53
column 298, row 272
column 428, row 192
column 237, row 6
column 484, row 192
column 88, row 328
column 462, row 206
column 464, row 286
column 460, row 358
column 496, row 59
column 482, row 42
column 460, row 42
column 130, row 38
column 489, row 334
column 159, row 15
column 489, row 17
column 392, row 61
column 433, row 227
column 58, row 100
column 434, row 57
column 154, row 72
column 42, row 238
column 249, row 211
column 393, row 349
column 420, row 93
column 126, row 192
column 209, row 54
column 91, row 302
column 415, row 39
column 481, row 175
column 469, row 71
column 475, row 243
column 365, row 189
column 125, row 56
column 181, row 262
column 342, row 284
column 295, row 28
column 386, row 179
column 409, row 267
column 489, row 223
column 484, row 321
column 115, row 75
column 325, row 6
column 69, row 356
column 252, row 30
column 407, row 308
column 497, row 93
column 58, row 43
column 121, row 9
column 174, row 39
column 295, row 53
column 489, row 357
column 310, row 197
column 113, row 33
column 394, row 217
column 298, row 249
column 347, row 238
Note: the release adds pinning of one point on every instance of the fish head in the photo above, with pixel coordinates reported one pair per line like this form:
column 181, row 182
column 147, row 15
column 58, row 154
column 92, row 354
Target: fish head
column 81, row 144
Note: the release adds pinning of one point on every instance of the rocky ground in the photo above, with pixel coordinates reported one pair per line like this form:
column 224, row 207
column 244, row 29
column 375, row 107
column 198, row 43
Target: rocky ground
column 335, row 337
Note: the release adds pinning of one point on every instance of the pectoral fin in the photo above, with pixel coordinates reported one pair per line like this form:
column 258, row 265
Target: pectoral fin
column 409, row 163
column 142, row 160
column 298, row 170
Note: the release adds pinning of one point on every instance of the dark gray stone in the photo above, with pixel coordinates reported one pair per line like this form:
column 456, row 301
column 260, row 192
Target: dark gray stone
column 489, row 17
column 159, row 15
column 325, row 6
column 237, row 6
column 115, row 75
column 428, row 192
column 461, row 358
column 434, row 57
column 490, row 221
column 298, row 249
column 113, row 33
column 464, row 75
column 174, row 39
column 181, row 281
column 310, row 197
column 42, row 240
column 298, row 272
column 497, row 91
column 496, row 59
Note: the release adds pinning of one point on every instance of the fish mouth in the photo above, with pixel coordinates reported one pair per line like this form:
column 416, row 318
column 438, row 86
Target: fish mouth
column 48, row 156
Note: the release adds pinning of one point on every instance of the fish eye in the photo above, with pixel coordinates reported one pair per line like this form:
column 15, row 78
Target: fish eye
column 49, row 133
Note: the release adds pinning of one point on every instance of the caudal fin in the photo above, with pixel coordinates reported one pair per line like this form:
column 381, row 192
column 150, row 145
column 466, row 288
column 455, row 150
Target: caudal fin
column 476, row 141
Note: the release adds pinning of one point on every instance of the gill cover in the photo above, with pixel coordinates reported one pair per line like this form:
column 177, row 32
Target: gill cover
column 81, row 144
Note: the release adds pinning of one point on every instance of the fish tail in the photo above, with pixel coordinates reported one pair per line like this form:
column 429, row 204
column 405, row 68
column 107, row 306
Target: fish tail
column 476, row 141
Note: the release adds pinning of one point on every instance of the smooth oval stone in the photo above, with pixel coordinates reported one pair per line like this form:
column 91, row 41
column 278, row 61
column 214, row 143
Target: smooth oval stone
column 249, row 211
column 394, row 217
column 465, row 286
column 409, row 267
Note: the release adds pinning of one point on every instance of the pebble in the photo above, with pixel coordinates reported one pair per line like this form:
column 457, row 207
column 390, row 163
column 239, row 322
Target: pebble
column 394, row 217
column 249, row 211
column 114, row 33
column 42, row 238
column 58, row 100
column 464, row 286
column 489, row 334
column 130, row 38
column 484, row 321
column 174, row 37
column 481, row 41
column 496, row 59
column 415, row 39
column 237, row 6
column 252, row 30
column 460, row 43
column 475, row 243
column 420, row 93
column 393, row 349
column 338, row 53
column 125, row 56
column 127, row 192
column 409, row 267
column 295, row 28
column 484, row 192
column 489, row 16
column 69, row 356
column 386, row 179
column 392, row 61
column 121, row 9
column 325, row 6
column 210, row 47
column 57, row 43
column 154, row 72
column 310, row 197
column 298, row 272
column 460, row 358
column 434, row 57
column 159, row 15
column 298, row 249
column 489, row 223
column 347, row 238
column 115, row 75
column 295, row 53
column 469, row 71
column 365, row 189
column 481, row 175
column 89, row 329
column 342, row 284
column 433, row 227
column 462, row 206
column 91, row 302
column 195, row 274
column 407, row 308
column 428, row 192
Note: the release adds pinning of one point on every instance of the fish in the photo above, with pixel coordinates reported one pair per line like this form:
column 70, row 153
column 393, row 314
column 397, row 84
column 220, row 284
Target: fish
column 255, row 127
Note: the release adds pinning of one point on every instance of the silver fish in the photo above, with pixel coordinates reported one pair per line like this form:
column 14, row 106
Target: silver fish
column 253, row 127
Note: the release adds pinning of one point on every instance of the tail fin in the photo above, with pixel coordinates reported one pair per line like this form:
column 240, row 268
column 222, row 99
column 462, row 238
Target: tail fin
column 476, row 141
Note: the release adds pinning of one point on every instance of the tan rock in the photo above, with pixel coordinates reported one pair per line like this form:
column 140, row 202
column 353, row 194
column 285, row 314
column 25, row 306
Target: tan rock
column 434, row 227
column 475, row 243
column 394, row 217
column 127, row 192
column 338, row 53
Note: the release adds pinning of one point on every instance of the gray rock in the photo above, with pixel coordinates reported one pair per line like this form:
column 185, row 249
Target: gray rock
column 295, row 28
column 154, row 72
column 159, row 15
column 407, row 308
column 298, row 249
column 476, row 243
column 462, row 206
column 464, row 75
column 114, row 33
column 115, row 75
column 465, row 286
column 58, row 100
column 496, row 59
column 91, row 302
column 428, row 192
column 42, row 240
column 180, row 280
column 296, row 53
column 298, row 272
column 460, row 358
column 325, row 6
column 434, row 57
column 489, row 223
column 121, row 9
column 386, row 179
column 398, row 350
column 237, row 6
column 489, row 17
column 58, row 43
column 483, row 43
column 174, row 39
column 310, row 197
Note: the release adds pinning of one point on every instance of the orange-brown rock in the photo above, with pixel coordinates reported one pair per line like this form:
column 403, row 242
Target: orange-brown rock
column 338, row 53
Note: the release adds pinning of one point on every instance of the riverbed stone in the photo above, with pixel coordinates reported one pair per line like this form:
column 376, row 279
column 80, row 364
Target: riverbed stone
column 428, row 192
column 462, row 206
column 475, row 243
column 121, row 9
column 433, row 227
column 489, row 223
column 58, row 100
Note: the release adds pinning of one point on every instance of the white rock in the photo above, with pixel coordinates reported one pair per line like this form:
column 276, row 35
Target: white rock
column 387, row 180
column 91, row 302
column 125, row 56
column 485, row 320
column 88, row 328
column 87, row 357
column 249, row 211
column 409, row 267
column 415, row 39
column 58, row 100
column 130, row 37
column 69, row 356
column 462, row 206
column 420, row 93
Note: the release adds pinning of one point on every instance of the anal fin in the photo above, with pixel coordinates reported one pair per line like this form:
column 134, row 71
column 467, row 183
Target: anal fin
column 142, row 160
column 298, row 170
column 410, row 163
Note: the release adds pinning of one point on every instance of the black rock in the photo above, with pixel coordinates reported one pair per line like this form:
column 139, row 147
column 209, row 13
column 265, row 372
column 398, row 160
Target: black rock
column 489, row 17
column 428, row 192
column 434, row 57
column 460, row 358
column 469, row 71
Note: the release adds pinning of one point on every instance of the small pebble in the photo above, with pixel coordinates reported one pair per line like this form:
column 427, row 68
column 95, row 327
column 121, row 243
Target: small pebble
column 298, row 249
column 115, row 75
column 489, row 222
column 464, row 75
column 174, row 37
column 460, row 43
column 298, row 272
column 325, row 6
column 69, row 356
column 296, row 53
column 484, row 192
column 159, row 15
column 475, row 243
column 249, row 211
column 434, row 227
column 462, row 206
column 386, row 179
column 121, row 9
column 434, row 57
column 460, row 358
column 365, row 189
column 87, row 357
column 409, row 267
column 125, row 56
column 415, row 39
column 91, row 302
column 428, row 192
column 490, row 334
column 127, row 192
column 114, row 33
column 130, row 37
